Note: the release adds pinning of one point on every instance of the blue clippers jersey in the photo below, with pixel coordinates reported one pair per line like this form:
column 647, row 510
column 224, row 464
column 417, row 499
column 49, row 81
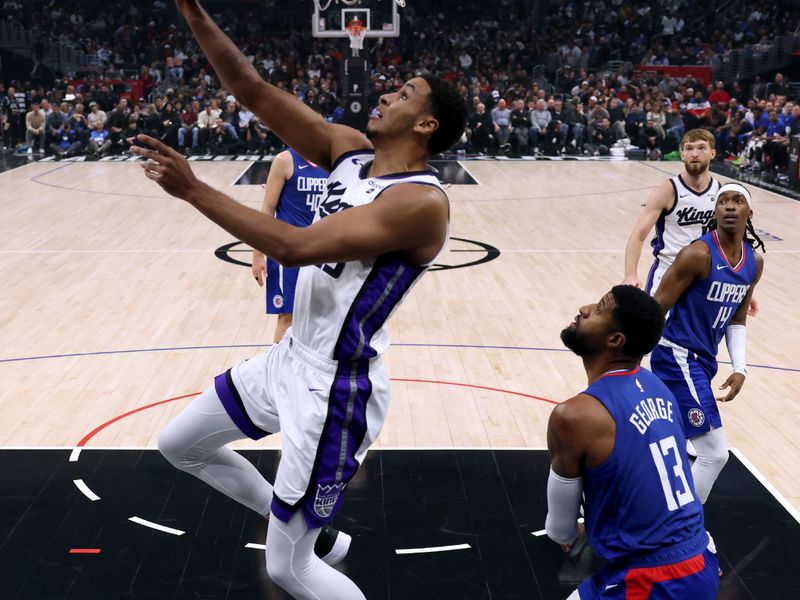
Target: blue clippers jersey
column 302, row 192
column 641, row 498
column 699, row 318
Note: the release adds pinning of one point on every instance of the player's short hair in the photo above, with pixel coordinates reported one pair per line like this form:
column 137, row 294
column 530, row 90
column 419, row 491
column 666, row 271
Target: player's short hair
column 639, row 317
column 449, row 108
column 699, row 135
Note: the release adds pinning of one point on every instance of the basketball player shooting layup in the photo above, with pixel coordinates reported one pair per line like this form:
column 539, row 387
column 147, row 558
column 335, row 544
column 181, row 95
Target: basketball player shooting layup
column 706, row 291
column 293, row 193
column 678, row 208
column 383, row 221
column 620, row 446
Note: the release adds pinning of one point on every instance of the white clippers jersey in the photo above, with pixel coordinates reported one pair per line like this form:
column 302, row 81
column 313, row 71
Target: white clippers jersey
column 684, row 223
column 341, row 310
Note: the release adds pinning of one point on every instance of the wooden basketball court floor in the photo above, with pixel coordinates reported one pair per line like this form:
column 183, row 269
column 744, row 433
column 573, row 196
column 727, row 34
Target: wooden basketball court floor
column 115, row 310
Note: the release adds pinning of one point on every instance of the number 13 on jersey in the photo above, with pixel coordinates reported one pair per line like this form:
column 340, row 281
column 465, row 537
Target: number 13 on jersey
column 676, row 489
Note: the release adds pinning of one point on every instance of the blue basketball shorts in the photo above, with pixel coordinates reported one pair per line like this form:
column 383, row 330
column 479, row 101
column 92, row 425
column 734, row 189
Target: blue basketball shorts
column 281, row 282
column 688, row 376
column 696, row 578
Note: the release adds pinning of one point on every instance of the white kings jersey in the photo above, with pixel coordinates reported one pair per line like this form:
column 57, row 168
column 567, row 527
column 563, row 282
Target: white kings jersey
column 680, row 226
column 341, row 310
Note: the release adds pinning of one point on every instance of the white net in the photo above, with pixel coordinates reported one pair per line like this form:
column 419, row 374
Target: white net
column 356, row 31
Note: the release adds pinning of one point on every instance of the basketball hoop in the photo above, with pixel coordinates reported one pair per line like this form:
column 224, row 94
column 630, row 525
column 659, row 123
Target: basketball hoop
column 355, row 31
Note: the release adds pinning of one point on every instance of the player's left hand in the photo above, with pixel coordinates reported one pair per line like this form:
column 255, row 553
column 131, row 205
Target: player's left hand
column 735, row 382
column 581, row 531
column 167, row 167
column 752, row 309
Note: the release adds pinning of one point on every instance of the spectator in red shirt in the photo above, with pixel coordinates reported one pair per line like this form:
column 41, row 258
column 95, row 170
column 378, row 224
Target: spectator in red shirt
column 719, row 95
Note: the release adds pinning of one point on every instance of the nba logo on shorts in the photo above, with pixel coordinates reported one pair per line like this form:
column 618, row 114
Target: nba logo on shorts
column 326, row 498
column 277, row 301
column 696, row 417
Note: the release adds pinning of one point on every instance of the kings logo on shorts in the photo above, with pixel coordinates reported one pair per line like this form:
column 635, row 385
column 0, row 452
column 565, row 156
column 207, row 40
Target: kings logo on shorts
column 696, row 417
column 326, row 498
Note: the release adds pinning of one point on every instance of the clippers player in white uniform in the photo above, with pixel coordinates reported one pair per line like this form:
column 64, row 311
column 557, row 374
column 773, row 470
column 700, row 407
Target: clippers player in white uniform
column 381, row 224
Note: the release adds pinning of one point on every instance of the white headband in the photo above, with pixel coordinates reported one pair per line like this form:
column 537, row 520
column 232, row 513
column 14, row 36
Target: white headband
column 734, row 187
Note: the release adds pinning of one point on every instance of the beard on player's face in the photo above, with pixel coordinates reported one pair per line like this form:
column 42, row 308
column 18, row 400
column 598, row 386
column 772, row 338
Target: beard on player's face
column 695, row 168
column 576, row 341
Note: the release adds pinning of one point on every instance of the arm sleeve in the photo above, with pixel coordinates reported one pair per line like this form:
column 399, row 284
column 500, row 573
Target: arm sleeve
column 563, row 507
column 736, row 340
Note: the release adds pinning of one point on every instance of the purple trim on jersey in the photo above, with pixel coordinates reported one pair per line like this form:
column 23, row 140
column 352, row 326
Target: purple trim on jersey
column 348, row 154
column 657, row 242
column 342, row 436
column 281, row 509
column 391, row 277
column 232, row 402
column 648, row 287
column 345, row 428
column 675, row 197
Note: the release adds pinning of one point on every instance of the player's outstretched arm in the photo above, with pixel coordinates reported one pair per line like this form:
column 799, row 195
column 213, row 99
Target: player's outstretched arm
column 296, row 124
column 692, row 263
column 660, row 200
column 406, row 218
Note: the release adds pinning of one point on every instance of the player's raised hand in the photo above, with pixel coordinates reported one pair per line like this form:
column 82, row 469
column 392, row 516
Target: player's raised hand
column 735, row 382
column 167, row 167
column 259, row 268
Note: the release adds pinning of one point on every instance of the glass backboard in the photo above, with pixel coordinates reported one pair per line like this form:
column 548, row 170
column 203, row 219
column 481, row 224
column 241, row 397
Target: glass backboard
column 380, row 17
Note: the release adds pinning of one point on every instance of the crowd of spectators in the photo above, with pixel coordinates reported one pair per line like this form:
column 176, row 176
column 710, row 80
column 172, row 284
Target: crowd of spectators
column 590, row 115
column 577, row 106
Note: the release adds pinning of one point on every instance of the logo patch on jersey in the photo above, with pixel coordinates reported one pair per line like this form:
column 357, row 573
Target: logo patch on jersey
column 277, row 301
column 696, row 417
column 326, row 498
column 639, row 385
